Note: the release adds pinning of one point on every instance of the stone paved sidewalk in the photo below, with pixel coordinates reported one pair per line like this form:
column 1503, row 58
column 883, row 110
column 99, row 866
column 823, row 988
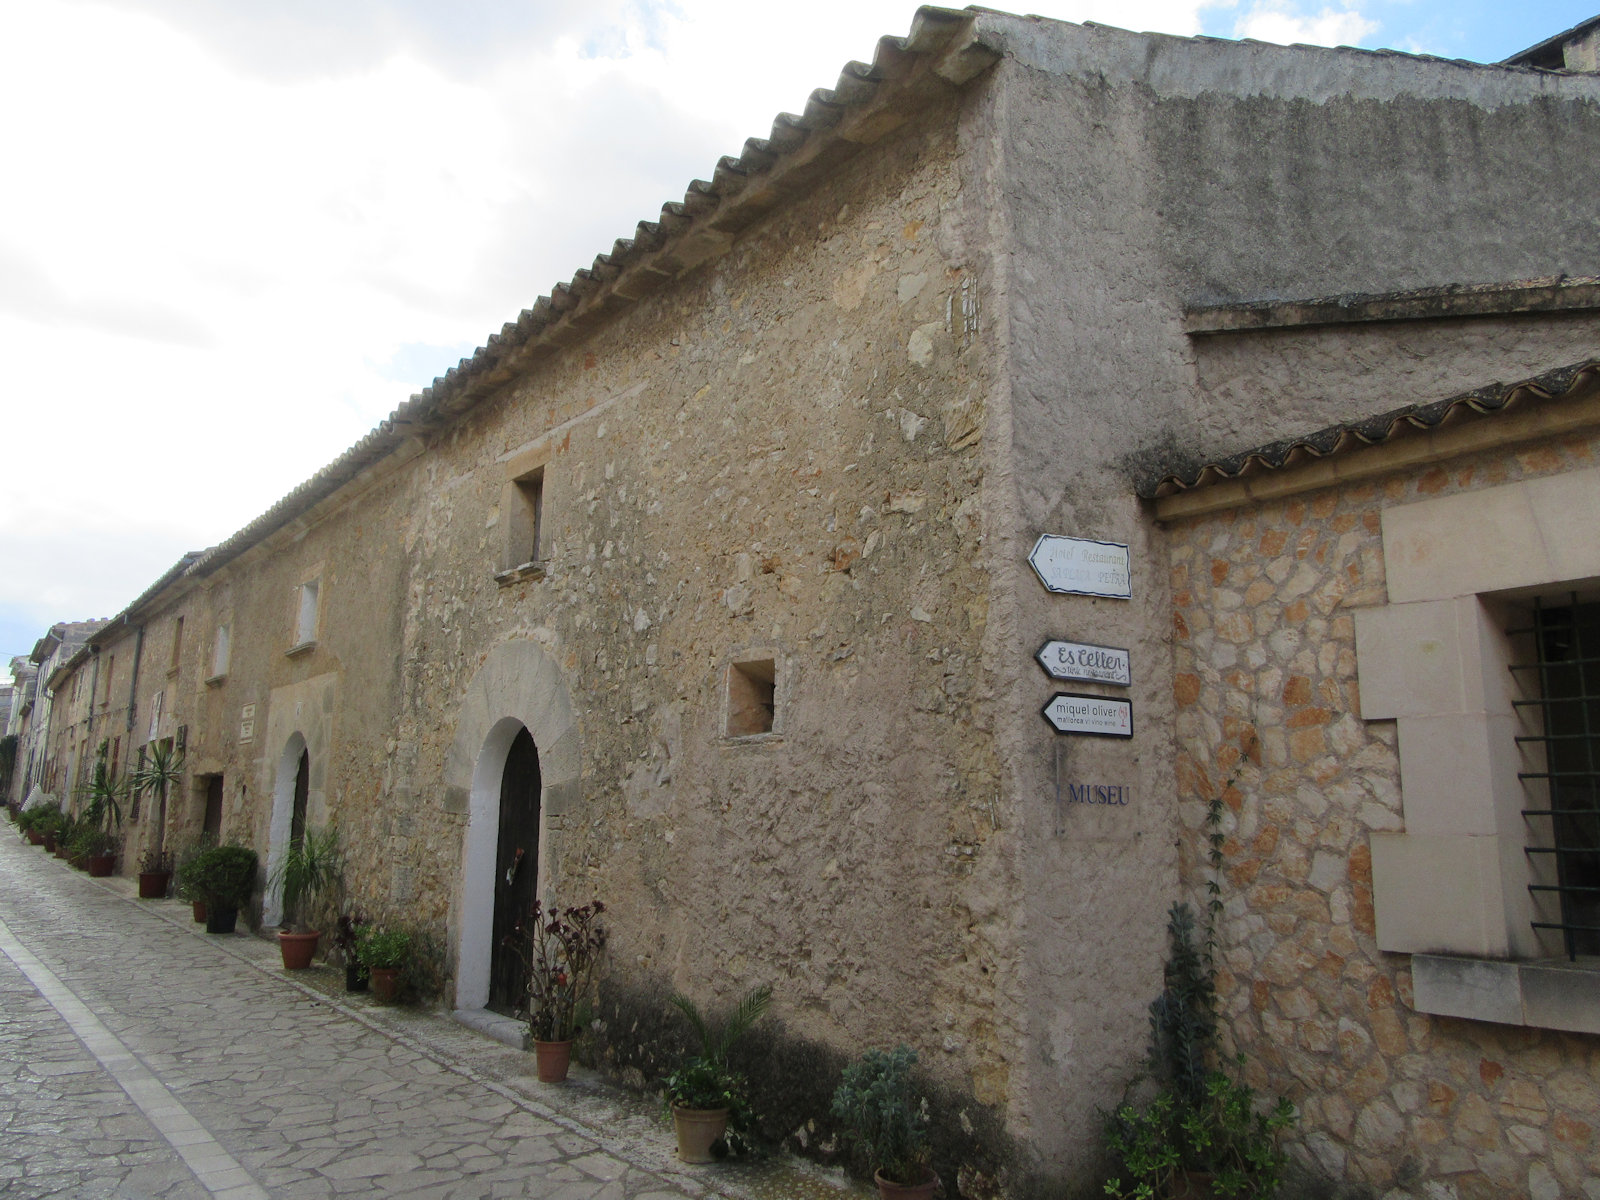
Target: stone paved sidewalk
column 141, row 1057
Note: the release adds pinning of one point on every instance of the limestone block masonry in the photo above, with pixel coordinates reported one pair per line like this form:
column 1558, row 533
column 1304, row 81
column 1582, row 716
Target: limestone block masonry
column 1266, row 603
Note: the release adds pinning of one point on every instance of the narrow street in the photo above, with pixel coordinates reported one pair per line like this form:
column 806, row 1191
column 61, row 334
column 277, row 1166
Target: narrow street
column 143, row 1058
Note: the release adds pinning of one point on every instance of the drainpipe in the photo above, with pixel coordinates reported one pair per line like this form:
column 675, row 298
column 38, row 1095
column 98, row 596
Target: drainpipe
column 94, row 692
column 133, row 682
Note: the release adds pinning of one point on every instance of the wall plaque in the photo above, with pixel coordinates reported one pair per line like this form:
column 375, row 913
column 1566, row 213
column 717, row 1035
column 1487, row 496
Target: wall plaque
column 1086, row 662
column 1083, row 567
column 1099, row 716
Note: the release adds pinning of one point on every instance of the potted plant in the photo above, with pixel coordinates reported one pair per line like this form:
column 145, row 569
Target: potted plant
column 223, row 877
column 35, row 822
column 346, row 940
column 155, row 873
column 561, row 954
column 706, row 1094
column 384, row 953
column 102, row 818
column 882, row 1113
column 49, row 820
column 1201, row 1134
column 183, row 885
column 312, row 867
column 65, row 836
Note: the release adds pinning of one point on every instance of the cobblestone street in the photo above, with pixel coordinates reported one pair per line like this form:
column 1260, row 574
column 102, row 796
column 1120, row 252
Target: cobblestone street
column 142, row 1057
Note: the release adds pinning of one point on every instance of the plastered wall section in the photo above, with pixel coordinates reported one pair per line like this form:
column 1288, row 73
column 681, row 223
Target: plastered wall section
column 1141, row 177
column 1267, row 605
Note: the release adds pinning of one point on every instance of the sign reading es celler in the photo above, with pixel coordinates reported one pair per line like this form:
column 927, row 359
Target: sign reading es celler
column 1089, row 663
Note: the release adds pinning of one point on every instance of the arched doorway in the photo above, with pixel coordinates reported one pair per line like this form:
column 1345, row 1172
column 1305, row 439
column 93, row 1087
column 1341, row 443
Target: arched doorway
column 302, row 793
column 291, row 798
column 518, row 695
column 516, row 875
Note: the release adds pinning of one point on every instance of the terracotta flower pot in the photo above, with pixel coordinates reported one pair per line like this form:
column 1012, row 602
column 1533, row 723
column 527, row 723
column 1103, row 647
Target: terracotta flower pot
column 35, row 837
column 298, row 949
column 101, row 865
column 199, row 909
column 153, row 884
column 889, row 1190
column 48, row 840
column 385, row 983
column 552, row 1060
column 697, row 1129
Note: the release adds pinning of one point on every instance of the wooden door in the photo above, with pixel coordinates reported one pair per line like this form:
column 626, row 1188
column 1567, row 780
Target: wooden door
column 516, row 872
column 212, row 823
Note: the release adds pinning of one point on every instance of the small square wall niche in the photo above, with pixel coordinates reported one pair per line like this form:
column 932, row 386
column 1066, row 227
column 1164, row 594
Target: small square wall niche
column 751, row 697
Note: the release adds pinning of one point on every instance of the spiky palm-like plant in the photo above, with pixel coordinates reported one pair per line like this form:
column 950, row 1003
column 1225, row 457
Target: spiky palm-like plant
column 705, row 1080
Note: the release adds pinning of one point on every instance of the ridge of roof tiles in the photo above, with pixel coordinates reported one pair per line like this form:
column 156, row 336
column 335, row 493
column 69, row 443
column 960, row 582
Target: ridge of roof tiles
column 934, row 32
column 1376, row 430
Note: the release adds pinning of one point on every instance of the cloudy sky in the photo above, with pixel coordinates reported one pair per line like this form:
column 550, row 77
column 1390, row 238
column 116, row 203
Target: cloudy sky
column 235, row 235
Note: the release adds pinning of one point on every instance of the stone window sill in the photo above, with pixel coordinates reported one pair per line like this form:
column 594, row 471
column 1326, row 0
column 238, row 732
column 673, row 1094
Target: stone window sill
column 302, row 648
column 527, row 570
column 217, row 680
column 1549, row 993
column 752, row 739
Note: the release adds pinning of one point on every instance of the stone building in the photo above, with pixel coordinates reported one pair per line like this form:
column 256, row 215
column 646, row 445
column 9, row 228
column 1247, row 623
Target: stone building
column 36, row 765
column 704, row 589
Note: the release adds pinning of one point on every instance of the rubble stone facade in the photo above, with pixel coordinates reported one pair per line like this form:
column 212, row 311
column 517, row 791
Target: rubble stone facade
column 735, row 528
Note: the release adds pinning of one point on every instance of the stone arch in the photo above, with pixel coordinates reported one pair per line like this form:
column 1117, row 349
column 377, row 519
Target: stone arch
column 519, row 686
column 283, row 781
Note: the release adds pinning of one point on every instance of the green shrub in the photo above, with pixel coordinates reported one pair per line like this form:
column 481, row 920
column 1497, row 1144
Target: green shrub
column 382, row 949
column 1200, row 1121
column 183, row 883
column 223, row 877
column 882, row 1113
column 1226, row 1134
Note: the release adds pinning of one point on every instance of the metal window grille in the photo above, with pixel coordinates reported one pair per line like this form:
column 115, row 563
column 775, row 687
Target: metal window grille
column 1562, row 723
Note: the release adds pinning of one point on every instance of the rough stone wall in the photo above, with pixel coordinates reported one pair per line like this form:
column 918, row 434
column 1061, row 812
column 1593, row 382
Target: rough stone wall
column 782, row 455
column 243, row 720
column 1265, row 658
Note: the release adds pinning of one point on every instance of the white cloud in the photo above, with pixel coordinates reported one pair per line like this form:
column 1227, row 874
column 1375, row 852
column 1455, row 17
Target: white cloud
column 233, row 237
column 1282, row 21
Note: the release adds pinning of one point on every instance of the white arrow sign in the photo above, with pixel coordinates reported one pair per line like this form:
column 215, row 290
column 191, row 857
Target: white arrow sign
column 1101, row 716
column 1083, row 567
column 1092, row 664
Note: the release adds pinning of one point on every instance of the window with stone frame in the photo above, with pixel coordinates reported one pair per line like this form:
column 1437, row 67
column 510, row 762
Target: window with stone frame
column 1558, row 673
column 524, row 548
column 307, row 602
column 220, row 648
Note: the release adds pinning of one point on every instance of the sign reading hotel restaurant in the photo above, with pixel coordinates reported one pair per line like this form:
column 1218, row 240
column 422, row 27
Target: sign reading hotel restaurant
column 1083, row 567
column 1088, row 663
column 1100, row 716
